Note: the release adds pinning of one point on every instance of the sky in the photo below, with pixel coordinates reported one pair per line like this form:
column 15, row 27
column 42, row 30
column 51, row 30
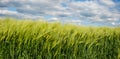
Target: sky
column 80, row 12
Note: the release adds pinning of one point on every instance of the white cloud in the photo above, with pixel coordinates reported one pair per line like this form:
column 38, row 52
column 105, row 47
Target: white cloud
column 107, row 2
column 63, row 10
column 113, row 23
column 17, row 15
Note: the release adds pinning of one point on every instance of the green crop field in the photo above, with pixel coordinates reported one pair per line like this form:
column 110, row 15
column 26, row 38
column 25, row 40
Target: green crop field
column 28, row 39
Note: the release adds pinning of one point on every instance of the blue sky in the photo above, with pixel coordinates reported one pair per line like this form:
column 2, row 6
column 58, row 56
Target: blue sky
column 80, row 12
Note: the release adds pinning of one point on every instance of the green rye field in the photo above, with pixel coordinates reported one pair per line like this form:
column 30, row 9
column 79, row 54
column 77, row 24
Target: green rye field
column 28, row 39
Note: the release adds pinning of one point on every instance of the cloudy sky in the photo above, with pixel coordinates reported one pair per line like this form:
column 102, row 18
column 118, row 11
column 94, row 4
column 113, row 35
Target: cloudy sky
column 81, row 12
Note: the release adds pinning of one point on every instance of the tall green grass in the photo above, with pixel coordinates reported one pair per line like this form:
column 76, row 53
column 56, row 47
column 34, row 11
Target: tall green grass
column 27, row 39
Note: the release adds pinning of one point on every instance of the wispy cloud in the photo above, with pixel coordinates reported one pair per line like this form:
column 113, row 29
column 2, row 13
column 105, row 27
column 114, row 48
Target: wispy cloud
column 80, row 12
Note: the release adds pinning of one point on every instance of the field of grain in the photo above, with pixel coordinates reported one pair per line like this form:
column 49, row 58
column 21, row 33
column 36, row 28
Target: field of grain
column 27, row 39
